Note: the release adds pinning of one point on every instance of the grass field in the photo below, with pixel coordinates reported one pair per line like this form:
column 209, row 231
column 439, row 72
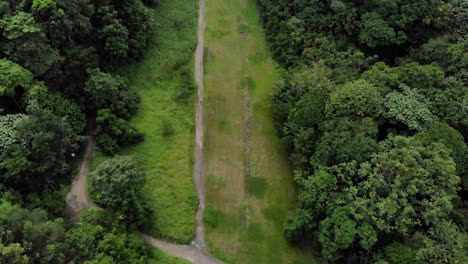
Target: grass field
column 164, row 81
column 249, row 185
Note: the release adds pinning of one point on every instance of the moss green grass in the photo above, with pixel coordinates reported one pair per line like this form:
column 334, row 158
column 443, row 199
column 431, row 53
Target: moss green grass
column 163, row 79
column 160, row 257
column 246, row 208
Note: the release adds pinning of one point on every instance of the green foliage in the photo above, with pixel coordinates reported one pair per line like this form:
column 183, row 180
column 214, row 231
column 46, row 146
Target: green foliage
column 117, row 185
column 113, row 132
column 115, row 38
column 8, row 134
column 13, row 253
column 355, row 99
column 61, row 107
column 13, row 76
column 337, row 232
column 40, row 153
column 167, row 129
column 298, row 222
column 400, row 70
column 420, row 76
column 52, row 54
column 29, row 236
column 345, row 140
column 441, row 244
column 99, row 238
column 399, row 253
column 314, row 80
column 410, row 108
column 459, row 17
column 381, row 76
column 27, row 45
column 380, row 197
column 447, row 52
column 108, row 92
column 377, row 32
column 41, row 4
column 454, row 141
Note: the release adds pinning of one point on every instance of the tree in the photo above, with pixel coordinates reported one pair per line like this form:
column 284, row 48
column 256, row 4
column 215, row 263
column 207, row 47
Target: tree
column 137, row 20
column 447, row 52
column 376, row 32
column 107, row 92
column 13, row 253
column 355, row 99
column 419, row 76
column 459, row 17
column 410, row 108
column 315, row 79
column 113, row 132
column 345, row 140
column 40, row 152
column 8, row 135
column 29, row 236
column 27, row 45
column 382, row 77
column 14, row 82
column 441, row 244
column 299, row 109
column 399, row 253
column 453, row 141
column 61, row 107
column 100, row 238
column 403, row 189
column 114, row 36
column 13, row 77
column 117, row 185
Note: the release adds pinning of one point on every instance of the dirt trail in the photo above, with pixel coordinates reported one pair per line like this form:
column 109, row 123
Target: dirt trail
column 77, row 199
column 199, row 131
column 196, row 252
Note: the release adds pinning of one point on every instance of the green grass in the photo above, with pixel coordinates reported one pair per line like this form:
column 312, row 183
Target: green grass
column 161, row 257
column 163, row 79
column 246, row 208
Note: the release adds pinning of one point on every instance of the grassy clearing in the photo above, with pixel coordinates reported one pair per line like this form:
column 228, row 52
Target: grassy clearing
column 248, row 180
column 163, row 79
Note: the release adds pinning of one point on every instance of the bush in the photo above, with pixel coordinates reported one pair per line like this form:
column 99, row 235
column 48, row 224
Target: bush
column 117, row 184
column 167, row 129
column 113, row 132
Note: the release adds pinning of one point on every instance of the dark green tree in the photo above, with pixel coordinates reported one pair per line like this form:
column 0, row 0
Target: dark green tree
column 27, row 45
column 39, row 155
column 355, row 99
column 107, row 92
column 117, row 185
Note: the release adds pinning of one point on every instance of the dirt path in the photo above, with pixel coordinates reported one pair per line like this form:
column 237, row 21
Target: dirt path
column 196, row 252
column 198, row 155
column 77, row 198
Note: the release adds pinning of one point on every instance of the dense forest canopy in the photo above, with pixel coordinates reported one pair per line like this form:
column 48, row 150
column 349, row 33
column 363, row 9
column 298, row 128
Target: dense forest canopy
column 373, row 110
column 57, row 59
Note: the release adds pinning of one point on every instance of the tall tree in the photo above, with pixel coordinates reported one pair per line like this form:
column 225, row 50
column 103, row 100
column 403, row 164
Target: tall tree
column 27, row 45
column 117, row 185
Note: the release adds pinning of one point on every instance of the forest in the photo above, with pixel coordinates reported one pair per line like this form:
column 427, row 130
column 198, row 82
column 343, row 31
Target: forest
column 373, row 111
column 371, row 106
column 57, row 80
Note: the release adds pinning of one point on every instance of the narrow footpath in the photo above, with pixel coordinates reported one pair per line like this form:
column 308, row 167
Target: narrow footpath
column 196, row 252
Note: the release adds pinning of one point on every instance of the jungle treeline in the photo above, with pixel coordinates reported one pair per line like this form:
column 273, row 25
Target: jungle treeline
column 57, row 64
column 372, row 108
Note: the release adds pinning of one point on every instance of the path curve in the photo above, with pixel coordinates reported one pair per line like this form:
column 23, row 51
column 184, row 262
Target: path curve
column 196, row 252
column 77, row 198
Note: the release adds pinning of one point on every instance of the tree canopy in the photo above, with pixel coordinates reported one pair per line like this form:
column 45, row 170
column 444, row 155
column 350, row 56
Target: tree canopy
column 372, row 109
